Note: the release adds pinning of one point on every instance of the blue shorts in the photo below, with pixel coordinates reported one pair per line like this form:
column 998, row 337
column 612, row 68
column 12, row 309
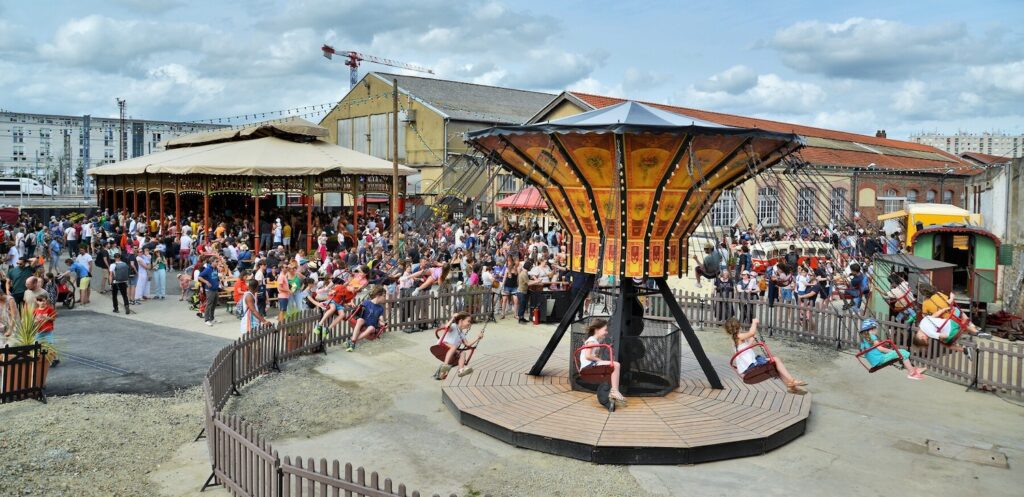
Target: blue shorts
column 338, row 307
column 786, row 294
column 759, row 361
column 282, row 303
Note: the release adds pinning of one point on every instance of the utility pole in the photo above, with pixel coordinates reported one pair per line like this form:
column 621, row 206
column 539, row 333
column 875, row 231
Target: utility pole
column 121, row 103
column 65, row 161
column 394, row 165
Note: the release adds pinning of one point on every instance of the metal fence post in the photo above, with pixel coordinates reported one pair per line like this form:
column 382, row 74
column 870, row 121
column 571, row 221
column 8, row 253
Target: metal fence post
column 234, row 383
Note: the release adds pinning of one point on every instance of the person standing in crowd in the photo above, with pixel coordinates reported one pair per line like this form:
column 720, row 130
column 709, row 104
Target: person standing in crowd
column 18, row 276
column 209, row 278
column 120, row 274
column 159, row 264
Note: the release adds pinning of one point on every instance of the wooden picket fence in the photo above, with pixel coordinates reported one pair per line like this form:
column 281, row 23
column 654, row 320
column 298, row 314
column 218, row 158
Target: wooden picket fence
column 244, row 462
column 996, row 366
column 23, row 372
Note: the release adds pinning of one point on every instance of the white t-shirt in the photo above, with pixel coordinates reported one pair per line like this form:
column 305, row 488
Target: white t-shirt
column 744, row 360
column 13, row 255
column 933, row 326
column 85, row 260
column 455, row 336
column 801, row 282
column 186, row 242
column 71, row 234
column 584, row 362
column 87, row 230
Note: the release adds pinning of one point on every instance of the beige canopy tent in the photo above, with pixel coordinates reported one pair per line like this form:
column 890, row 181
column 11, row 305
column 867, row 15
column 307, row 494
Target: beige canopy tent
column 280, row 157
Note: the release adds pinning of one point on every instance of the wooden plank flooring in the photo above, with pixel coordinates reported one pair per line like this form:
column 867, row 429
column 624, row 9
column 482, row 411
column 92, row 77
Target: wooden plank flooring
column 694, row 416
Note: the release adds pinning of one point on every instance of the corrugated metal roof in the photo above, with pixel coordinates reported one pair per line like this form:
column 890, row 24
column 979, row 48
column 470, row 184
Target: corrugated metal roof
column 471, row 102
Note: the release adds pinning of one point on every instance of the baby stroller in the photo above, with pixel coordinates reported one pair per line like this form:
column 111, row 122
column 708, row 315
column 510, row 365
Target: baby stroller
column 197, row 302
column 64, row 293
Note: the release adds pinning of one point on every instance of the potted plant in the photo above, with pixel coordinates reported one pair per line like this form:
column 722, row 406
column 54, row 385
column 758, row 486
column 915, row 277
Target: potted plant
column 731, row 262
column 294, row 337
column 25, row 331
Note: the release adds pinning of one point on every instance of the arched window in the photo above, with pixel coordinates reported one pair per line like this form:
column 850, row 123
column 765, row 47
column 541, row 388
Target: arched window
column 892, row 202
column 947, row 197
column 805, row 206
column 837, row 205
column 768, row 206
column 911, row 196
column 724, row 212
column 930, row 196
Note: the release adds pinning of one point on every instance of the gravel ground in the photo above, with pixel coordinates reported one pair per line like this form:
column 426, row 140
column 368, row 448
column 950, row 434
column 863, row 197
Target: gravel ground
column 301, row 403
column 86, row 445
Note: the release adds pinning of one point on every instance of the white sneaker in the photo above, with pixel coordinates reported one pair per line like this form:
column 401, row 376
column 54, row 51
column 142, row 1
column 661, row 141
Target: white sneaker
column 208, row 323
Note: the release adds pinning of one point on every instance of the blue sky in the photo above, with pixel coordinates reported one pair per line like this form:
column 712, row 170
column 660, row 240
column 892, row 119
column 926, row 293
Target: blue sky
column 860, row 66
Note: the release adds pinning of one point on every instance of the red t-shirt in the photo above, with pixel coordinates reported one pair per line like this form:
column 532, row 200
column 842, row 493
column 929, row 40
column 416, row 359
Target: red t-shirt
column 45, row 316
column 341, row 294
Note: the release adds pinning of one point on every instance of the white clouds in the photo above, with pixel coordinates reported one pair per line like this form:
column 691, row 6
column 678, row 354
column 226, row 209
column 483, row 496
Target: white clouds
column 1002, row 77
column 739, row 90
column 911, row 99
column 734, row 80
column 870, row 48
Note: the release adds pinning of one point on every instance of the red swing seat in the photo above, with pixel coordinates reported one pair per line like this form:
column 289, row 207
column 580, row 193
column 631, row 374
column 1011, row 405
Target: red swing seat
column 594, row 375
column 353, row 318
column 440, row 350
column 756, row 374
column 884, row 343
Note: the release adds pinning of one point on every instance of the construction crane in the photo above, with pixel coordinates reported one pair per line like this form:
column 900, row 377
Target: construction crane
column 354, row 58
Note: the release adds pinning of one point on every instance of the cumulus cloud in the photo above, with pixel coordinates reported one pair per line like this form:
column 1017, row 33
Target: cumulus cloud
column 734, row 81
column 737, row 90
column 873, row 48
column 1007, row 78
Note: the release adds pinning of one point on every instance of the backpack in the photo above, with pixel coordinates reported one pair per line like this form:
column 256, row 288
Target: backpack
column 121, row 272
column 240, row 306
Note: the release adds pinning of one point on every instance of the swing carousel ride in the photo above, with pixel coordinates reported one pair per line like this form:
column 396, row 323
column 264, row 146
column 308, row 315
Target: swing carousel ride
column 630, row 183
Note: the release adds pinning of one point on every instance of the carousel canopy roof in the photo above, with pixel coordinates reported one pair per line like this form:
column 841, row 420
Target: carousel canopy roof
column 530, row 198
column 280, row 149
column 295, row 128
column 626, row 117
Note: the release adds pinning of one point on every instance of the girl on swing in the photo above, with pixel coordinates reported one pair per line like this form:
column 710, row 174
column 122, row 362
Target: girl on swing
column 456, row 340
column 597, row 331
column 881, row 354
column 749, row 359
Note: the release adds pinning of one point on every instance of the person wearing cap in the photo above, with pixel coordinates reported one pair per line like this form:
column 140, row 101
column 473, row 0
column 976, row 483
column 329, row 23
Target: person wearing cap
column 711, row 265
column 881, row 354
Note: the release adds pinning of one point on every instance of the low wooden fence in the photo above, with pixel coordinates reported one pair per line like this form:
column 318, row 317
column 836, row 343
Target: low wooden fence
column 23, row 373
column 245, row 463
column 996, row 366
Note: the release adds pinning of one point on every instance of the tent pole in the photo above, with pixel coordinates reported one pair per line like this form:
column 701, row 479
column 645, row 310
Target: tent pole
column 256, row 225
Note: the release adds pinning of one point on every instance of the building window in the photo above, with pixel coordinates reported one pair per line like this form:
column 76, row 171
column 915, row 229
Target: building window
column 108, row 137
column 18, row 135
column 892, row 203
column 506, row 183
column 947, row 197
column 837, row 205
column 18, row 153
column 723, row 213
column 929, row 196
column 805, row 206
column 768, row 206
column 911, row 196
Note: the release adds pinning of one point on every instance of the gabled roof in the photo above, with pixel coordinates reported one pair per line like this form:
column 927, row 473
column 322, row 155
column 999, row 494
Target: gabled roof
column 985, row 159
column 471, row 102
column 821, row 146
column 528, row 199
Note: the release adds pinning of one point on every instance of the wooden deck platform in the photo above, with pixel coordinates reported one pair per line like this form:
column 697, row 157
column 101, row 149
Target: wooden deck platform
column 692, row 424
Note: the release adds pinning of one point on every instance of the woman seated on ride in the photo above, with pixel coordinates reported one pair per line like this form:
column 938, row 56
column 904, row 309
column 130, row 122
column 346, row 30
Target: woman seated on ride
column 934, row 301
column 749, row 359
column 456, row 340
column 370, row 319
column 901, row 299
column 881, row 354
column 597, row 331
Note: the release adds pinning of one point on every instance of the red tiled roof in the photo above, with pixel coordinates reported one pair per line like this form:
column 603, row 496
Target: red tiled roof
column 816, row 154
column 986, row 158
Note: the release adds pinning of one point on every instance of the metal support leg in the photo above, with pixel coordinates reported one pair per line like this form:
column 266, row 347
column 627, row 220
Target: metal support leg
column 201, row 435
column 563, row 325
column 210, row 482
column 691, row 337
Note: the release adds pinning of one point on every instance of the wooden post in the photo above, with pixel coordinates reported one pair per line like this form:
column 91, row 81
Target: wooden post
column 206, row 208
column 256, row 225
column 113, row 195
column 163, row 220
column 355, row 208
column 135, row 203
column 309, row 214
column 177, row 205
column 394, row 167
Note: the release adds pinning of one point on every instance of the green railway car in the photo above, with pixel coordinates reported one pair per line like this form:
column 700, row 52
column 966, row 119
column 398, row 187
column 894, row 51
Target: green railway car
column 975, row 252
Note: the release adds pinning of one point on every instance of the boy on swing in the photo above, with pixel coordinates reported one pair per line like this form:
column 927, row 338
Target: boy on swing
column 371, row 319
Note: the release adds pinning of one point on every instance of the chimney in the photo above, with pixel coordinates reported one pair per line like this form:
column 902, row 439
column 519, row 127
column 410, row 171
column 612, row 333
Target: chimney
column 880, row 133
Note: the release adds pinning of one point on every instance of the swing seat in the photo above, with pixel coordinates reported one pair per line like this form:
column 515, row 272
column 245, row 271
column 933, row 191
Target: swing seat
column 871, row 369
column 440, row 351
column 756, row 374
column 594, row 375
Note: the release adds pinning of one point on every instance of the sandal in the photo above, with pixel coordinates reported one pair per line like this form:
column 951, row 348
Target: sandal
column 799, row 383
column 796, row 390
column 464, row 372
